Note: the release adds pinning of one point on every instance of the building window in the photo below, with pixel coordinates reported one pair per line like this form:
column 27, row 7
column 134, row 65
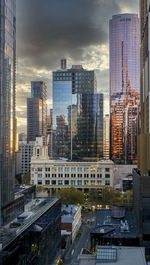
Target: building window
column 73, row 182
column 92, row 181
column 39, row 175
column 66, row 169
column 66, row 182
column 99, row 169
column 53, row 175
column 60, row 169
column 99, row 182
column 79, row 182
column 39, row 182
column 92, row 175
column 107, row 176
column 107, row 182
column 99, row 175
column 53, row 182
column 32, row 182
column 40, row 169
column 47, row 182
column 47, row 169
column 66, row 175
column 60, row 182
column 86, row 182
column 86, row 169
column 107, row 169
column 32, row 175
column 79, row 169
column 47, row 175
column 38, row 152
column 73, row 169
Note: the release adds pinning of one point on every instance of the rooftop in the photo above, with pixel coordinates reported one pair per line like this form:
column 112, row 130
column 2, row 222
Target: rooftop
column 114, row 255
column 64, row 161
column 68, row 213
column 33, row 210
column 109, row 225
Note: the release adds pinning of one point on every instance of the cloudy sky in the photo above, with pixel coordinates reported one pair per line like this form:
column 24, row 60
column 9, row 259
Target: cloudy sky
column 48, row 30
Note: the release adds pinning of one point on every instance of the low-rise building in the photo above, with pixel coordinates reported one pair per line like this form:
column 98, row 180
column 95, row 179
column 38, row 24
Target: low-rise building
column 70, row 220
column 127, row 183
column 56, row 174
column 121, row 172
column 114, row 256
column 116, row 226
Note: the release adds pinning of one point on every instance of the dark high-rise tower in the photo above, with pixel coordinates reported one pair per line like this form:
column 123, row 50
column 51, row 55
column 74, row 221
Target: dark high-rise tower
column 77, row 115
column 7, row 101
column 37, row 111
column 124, row 86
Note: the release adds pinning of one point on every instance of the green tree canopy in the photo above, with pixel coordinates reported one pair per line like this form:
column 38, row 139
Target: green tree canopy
column 71, row 196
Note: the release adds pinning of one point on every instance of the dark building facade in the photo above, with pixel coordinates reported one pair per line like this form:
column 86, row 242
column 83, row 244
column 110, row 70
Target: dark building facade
column 141, row 177
column 37, row 111
column 7, row 101
column 144, row 138
column 39, row 242
column 141, row 204
column 77, row 115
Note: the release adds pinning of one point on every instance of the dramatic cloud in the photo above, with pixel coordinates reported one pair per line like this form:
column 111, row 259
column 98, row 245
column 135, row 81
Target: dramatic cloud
column 48, row 30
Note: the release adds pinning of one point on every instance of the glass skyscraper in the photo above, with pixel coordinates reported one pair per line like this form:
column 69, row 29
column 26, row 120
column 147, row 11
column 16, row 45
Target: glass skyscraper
column 7, row 101
column 77, row 115
column 37, row 111
column 124, row 86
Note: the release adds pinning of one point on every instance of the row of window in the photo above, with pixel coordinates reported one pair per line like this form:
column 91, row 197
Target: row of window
column 72, row 175
column 73, row 169
column 72, row 182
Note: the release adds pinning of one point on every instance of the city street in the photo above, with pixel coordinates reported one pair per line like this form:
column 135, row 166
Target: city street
column 83, row 242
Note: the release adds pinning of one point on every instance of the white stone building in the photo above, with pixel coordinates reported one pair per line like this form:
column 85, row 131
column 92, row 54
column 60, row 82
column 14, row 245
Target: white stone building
column 62, row 173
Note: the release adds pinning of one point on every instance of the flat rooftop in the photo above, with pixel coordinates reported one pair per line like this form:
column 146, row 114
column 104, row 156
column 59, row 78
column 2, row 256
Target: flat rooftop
column 124, row 256
column 33, row 210
column 68, row 213
column 20, row 188
column 107, row 226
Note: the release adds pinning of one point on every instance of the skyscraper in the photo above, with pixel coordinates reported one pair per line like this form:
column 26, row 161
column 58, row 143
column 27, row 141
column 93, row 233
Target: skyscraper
column 124, row 86
column 106, row 138
column 7, row 101
column 37, row 111
column 144, row 139
column 77, row 115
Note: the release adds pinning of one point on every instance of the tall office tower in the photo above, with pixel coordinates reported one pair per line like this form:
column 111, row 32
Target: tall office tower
column 144, row 139
column 77, row 115
column 124, row 86
column 7, row 102
column 50, row 133
column 106, row 137
column 37, row 111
